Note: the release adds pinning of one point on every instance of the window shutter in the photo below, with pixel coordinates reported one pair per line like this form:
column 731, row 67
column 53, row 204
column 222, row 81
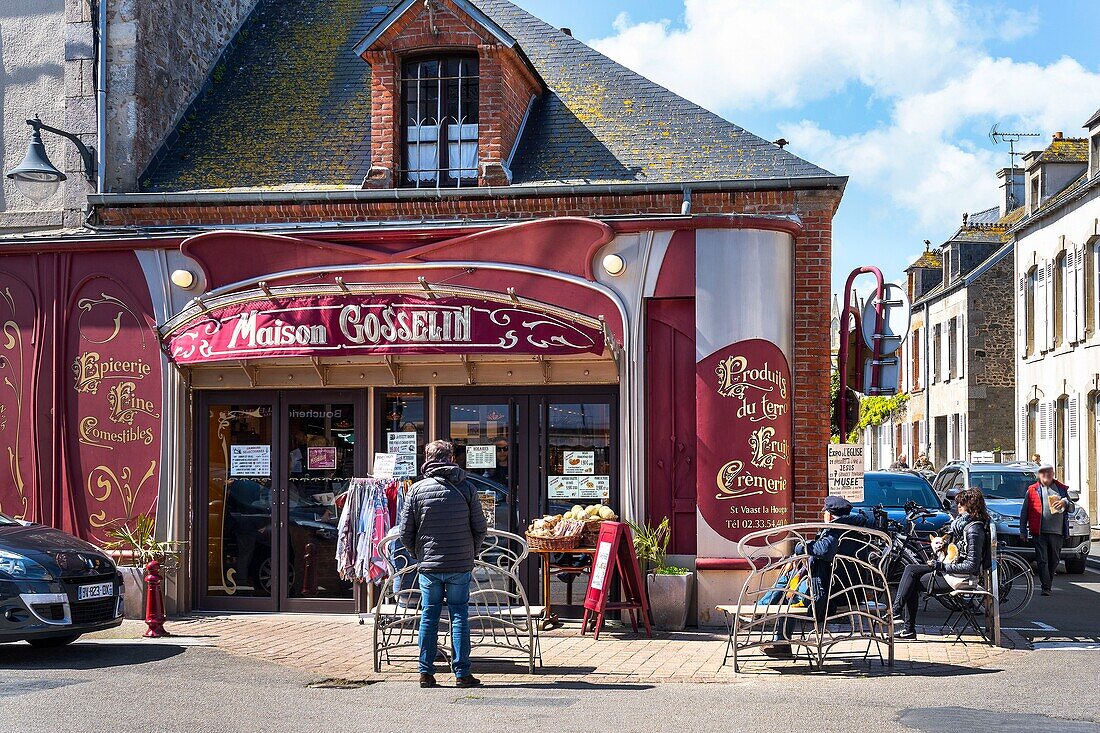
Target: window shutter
column 1043, row 425
column 1023, row 433
column 1080, row 291
column 1052, row 311
column 1021, row 318
column 1040, row 315
column 1073, row 443
column 962, row 346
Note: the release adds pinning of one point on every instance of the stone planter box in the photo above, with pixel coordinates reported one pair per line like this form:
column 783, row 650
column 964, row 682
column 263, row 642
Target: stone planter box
column 670, row 599
column 133, row 589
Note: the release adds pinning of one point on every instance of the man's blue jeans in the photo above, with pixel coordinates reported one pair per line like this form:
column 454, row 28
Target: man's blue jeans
column 456, row 588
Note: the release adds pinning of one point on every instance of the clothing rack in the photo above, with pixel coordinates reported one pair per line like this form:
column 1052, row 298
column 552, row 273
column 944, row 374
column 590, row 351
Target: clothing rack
column 361, row 528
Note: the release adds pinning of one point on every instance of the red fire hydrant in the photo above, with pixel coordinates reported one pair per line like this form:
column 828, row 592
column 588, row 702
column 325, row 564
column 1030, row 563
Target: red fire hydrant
column 154, row 602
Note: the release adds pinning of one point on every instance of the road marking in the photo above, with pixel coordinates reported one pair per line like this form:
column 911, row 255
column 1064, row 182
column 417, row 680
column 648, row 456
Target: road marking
column 1066, row 645
column 1044, row 627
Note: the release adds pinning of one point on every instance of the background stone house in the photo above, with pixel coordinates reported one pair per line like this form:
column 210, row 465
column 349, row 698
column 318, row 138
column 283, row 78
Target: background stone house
column 957, row 361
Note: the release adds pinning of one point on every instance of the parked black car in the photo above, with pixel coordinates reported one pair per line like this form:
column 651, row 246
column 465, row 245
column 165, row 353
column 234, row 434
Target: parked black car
column 53, row 586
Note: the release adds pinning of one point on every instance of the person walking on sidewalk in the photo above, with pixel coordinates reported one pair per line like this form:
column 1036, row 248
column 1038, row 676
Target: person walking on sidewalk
column 1044, row 519
column 443, row 525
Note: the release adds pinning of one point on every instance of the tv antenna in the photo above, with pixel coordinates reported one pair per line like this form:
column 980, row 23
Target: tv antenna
column 996, row 137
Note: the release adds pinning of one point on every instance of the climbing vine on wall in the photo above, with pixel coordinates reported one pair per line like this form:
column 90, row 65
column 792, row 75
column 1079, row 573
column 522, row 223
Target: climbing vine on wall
column 875, row 410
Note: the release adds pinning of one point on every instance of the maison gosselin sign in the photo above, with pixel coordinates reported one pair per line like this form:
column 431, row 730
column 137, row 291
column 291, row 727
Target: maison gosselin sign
column 335, row 325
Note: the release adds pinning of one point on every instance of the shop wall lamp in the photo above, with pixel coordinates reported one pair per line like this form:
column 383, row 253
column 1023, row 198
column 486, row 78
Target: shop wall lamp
column 183, row 279
column 614, row 265
column 36, row 177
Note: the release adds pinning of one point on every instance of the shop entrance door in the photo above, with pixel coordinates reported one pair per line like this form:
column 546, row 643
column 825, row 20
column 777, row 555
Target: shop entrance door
column 537, row 453
column 270, row 465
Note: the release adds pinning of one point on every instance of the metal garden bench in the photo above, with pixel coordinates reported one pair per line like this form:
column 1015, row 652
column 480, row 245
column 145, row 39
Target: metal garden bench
column 854, row 610
column 500, row 616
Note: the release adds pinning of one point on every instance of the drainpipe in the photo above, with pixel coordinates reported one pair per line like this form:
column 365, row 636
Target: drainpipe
column 685, row 207
column 101, row 97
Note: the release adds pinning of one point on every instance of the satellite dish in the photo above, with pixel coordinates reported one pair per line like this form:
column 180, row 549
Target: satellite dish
column 896, row 317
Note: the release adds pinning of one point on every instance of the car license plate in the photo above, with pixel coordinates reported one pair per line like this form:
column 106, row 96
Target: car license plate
column 99, row 590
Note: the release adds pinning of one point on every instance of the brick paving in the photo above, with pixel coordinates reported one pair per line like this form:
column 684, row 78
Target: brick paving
column 340, row 647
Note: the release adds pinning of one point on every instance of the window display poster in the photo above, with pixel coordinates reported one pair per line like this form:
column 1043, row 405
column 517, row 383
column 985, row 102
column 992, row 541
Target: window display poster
column 563, row 487
column 594, row 487
column 405, row 465
column 384, row 465
column 580, row 462
column 404, row 442
column 320, row 458
column 481, row 456
column 249, row 460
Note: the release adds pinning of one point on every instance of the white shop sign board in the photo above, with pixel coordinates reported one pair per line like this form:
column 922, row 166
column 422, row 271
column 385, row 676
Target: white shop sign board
column 846, row 471
column 599, row 566
column 249, row 461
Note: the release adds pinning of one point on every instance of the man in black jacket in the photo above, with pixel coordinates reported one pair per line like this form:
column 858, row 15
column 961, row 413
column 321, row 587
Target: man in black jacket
column 443, row 526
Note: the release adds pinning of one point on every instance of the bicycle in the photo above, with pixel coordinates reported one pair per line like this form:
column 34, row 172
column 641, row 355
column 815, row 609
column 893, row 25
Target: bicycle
column 1015, row 581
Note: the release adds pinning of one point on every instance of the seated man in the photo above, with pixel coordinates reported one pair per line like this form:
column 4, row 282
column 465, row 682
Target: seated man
column 826, row 546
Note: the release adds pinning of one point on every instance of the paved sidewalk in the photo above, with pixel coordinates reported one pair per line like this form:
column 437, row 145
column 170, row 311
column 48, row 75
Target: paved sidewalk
column 331, row 646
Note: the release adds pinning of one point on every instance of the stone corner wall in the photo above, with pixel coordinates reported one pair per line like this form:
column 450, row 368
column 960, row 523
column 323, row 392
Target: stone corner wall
column 158, row 55
column 991, row 359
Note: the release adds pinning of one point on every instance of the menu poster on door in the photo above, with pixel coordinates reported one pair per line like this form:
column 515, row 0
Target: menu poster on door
column 321, row 458
column 594, row 487
column 250, row 461
column 404, row 442
column 563, row 487
column 384, row 465
column 481, row 456
column 404, row 465
column 580, row 462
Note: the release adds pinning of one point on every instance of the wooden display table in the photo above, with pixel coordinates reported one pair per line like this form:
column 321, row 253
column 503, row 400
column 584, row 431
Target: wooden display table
column 549, row 617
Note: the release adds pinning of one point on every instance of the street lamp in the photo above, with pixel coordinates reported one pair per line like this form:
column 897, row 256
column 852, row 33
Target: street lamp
column 36, row 177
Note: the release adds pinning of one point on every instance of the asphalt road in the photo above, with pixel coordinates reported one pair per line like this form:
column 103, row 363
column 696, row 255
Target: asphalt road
column 106, row 684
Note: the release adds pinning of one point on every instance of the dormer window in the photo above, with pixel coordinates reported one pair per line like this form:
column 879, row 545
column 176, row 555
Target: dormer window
column 440, row 95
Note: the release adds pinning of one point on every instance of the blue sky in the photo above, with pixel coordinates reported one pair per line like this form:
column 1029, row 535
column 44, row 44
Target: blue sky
column 899, row 96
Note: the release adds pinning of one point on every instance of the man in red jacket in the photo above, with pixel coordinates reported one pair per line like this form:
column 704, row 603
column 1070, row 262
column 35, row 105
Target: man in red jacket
column 1044, row 519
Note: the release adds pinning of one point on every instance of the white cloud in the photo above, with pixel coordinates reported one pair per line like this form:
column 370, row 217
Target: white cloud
column 926, row 61
column 783, row 53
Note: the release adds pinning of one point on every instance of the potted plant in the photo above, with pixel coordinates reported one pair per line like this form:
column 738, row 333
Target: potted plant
column 133, row 545
column 669, row 586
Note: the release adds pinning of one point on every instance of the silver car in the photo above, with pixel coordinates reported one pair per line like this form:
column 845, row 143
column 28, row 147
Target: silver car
column 1005, row 486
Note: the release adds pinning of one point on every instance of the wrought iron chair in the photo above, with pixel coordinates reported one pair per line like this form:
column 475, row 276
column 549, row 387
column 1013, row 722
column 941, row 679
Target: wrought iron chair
column 854, row 607
column 500, row 616
column 967, row 606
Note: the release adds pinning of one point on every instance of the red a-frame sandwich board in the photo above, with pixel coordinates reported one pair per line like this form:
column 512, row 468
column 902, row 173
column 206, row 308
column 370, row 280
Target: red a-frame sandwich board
column 615, row 557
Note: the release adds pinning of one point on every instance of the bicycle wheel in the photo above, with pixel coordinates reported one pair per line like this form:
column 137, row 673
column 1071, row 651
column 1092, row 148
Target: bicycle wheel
column 1016, row 583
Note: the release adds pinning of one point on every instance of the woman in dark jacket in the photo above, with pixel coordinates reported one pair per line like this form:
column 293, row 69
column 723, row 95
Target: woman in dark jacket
column 969, row 532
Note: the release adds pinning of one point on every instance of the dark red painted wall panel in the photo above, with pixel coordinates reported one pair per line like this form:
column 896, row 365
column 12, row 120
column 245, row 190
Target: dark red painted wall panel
column 670, row 418
column 83, row 405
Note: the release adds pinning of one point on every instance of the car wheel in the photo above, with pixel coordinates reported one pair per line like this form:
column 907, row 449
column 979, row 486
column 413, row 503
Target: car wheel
column 1076, row 566
column 54, row 641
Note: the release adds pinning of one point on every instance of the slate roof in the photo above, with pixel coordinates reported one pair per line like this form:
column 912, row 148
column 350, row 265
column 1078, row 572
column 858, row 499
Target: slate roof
column 289, row 106
column 928, row 260
column 1066, row 150
column 1093, row 119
